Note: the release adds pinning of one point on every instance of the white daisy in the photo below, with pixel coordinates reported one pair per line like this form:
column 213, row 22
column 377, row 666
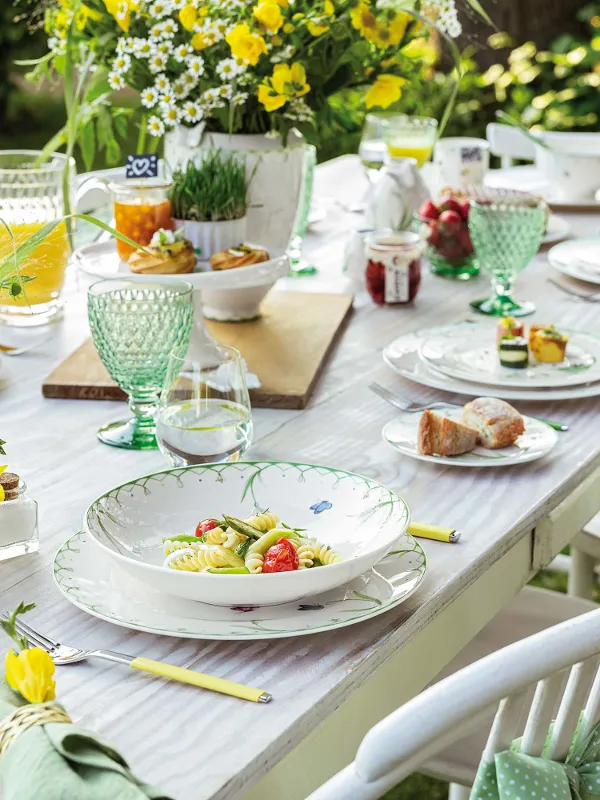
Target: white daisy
column 122, row 10
column 224, row 92
column 220, row 27
column 159, row 9
column 162, row 84
column 170, row 116
column 156, row 31
column 142, row 48
column 157, row 62
column 167, row 99
column 169, row 28
column 149, row 97
column 182, row 52
column 239, row 98
column 56, row 44
column 164, row 46
column 121, row 63
column 128, row 44
column 181, row 89
column 227, row 69
column 283, row 55
column 177, row 4
column 209, row 96
column 195, row 65
column 189, row 79
column 191, row 112
column 115, row 81
column 120, row 48
column 156, row 127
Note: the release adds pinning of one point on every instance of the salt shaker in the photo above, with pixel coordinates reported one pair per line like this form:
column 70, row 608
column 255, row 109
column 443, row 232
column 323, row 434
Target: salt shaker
column 18, row 518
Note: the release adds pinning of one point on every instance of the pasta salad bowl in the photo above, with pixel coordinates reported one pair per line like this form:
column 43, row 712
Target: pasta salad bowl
column 340, row 523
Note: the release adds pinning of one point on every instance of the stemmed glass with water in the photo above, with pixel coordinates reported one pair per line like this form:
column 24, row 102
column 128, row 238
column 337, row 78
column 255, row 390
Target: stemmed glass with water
column 204, row 413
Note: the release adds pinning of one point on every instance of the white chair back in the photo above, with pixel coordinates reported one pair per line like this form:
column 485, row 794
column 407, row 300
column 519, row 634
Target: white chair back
column 502, row 683
column 509, row 143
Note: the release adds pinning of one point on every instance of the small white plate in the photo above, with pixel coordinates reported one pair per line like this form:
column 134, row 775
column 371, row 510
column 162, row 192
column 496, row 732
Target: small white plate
column 558, row 228
column 402, row 355
column 456, row 355
column 89, row 580
column 537, row 441
column 579, row 259
column 101, row 260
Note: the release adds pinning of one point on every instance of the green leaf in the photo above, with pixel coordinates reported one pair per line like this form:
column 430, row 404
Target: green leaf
column 479, row 9
column 8, row 624
column 32, row 62
column 87, row 144
column 2, row 450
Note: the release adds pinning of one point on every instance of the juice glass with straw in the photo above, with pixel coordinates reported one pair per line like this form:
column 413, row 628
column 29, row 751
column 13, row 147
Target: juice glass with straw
column 31, row 195
column 409, row 137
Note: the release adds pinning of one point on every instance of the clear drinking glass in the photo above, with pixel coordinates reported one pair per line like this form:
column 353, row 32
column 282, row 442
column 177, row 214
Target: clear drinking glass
column 204, row 413
column 410, row 137
column 31, row 195
column 506, row 229
column 135, row 326
column 372, row 149
column 298, row 265
column 141, row 207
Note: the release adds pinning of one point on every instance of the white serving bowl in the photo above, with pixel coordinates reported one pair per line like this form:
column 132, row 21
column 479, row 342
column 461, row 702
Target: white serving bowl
column 357, row 517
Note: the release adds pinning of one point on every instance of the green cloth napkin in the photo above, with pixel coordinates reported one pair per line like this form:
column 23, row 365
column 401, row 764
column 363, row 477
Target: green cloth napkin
column 515, row 776
column 63, row 762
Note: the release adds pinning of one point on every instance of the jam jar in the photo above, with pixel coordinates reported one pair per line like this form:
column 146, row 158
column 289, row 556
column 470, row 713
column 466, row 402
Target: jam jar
column 394, row 267
column 141, row 208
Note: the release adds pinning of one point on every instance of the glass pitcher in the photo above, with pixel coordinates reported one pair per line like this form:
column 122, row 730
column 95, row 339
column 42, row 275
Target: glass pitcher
column 31, row 195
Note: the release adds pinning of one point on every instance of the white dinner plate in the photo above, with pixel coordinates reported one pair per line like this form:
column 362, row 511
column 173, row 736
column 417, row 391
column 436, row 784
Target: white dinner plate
column 475, row 358
column 89, row 580
column 101, row 260
column 579, row 259
column 558, row 228
column 537, row 441
column 402, row 355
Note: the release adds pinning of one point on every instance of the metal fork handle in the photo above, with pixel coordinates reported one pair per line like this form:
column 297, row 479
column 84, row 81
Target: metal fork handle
column 110, row 655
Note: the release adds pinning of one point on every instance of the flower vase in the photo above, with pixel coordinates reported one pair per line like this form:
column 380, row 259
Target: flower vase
column 274, row 173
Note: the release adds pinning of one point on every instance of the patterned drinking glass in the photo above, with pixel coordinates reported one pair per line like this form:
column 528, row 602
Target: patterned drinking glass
column 506, row 229
column 31, row 194
column 135, row 326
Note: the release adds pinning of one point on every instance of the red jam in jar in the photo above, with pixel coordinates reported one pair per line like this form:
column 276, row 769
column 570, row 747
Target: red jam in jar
column 394, row 267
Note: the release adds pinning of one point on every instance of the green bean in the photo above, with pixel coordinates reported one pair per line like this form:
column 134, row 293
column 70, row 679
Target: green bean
column 228, row 570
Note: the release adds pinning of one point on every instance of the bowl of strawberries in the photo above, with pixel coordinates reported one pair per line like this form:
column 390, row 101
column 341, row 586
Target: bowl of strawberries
column 445, row 228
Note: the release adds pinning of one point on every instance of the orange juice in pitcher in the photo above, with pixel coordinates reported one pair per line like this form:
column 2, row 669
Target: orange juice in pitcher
column 31, row 195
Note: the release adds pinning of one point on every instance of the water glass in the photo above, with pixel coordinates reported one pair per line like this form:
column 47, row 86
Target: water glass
column 31, row 195
column 506, row 229
column 135, row 326
column 372, row 149
column 300, row 266
column 204, row 413
column 410, row 137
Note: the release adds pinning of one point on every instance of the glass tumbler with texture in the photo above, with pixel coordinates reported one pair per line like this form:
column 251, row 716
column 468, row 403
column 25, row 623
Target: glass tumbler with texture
column 506, row 229
column 31, row 195
column 410, row 137
column 135, row 326
column 204, row 413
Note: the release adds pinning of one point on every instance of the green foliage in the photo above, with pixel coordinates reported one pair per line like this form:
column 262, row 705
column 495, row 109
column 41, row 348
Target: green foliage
column 216, row 189
column 2, row 450
column 8, row 624
column 555, row 89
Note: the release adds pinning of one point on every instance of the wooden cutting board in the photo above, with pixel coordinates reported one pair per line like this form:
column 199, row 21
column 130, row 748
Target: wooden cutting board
column 286, row 347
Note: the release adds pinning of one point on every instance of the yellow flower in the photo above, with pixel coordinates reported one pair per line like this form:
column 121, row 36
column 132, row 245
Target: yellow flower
column 383, row 33
column 188, row 16
column 268, row 13
column 30, row 674
column 320, row 25
column 329, row 7
column 315, row 29
column 284, row 84
column 199, row 41
column 246, row 45
column 121, row 11
column 385, row 91
column 362, row 17
column 288, row 27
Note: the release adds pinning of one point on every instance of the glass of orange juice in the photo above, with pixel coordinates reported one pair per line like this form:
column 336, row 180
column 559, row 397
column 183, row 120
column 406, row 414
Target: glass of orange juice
column 409, row 137
column 141, row 207
column 31, row 195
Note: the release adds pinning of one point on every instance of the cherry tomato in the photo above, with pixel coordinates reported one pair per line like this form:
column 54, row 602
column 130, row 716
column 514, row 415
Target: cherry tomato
column 206, row 525
column 281, row 557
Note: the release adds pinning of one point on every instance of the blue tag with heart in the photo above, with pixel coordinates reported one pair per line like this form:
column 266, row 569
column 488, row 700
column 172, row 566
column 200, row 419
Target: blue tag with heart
column 142, row 166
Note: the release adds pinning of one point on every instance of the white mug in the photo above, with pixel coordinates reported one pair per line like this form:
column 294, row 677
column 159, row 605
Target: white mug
column 461, row 161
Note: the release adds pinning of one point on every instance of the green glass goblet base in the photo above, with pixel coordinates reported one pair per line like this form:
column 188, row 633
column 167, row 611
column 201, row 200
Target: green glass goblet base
column 503, row 306
column 460, row 270
column 132, row 434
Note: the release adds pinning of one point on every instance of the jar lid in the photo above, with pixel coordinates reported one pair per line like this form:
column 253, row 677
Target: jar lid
column 132, row 185
column 394, row 241
column 13, row 486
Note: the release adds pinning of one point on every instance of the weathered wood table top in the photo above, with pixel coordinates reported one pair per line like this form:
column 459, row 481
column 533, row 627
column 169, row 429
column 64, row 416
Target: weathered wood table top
column 199, row 745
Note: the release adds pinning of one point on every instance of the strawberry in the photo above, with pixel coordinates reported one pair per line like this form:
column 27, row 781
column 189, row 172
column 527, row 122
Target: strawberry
column 428, row 210
column 465, row 207
column 450, row 221
column 451, row 205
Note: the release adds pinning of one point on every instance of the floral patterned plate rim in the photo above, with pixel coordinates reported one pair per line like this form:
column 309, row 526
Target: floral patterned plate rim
column 537, row 441
column 93, row 583
column 475, row 358
column 402, row 355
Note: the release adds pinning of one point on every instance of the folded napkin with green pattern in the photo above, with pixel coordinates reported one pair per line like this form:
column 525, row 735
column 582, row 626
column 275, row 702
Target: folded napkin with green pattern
column 515, row 776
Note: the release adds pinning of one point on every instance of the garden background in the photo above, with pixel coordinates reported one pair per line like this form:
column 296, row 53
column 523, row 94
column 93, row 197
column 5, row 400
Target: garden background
column 541, row 64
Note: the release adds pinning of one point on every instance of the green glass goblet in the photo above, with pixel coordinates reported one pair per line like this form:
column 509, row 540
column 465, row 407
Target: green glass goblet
column 506, row 230
column 135, row 326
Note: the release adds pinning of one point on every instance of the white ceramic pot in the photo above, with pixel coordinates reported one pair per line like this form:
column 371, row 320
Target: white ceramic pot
column 275, row 175
column 212, row 237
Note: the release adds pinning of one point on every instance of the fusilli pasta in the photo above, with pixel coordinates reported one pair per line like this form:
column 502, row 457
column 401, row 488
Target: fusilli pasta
column 204, row 557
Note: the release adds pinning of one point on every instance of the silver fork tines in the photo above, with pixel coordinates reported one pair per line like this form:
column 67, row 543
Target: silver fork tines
column 403, row 403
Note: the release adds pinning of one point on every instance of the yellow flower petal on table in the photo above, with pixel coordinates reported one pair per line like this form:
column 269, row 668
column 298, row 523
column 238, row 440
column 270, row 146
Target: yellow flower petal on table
column 30, row 674
column 246, row 45
column 385, row 91
column 268, row 13
column 188, row 16
column 269, row 98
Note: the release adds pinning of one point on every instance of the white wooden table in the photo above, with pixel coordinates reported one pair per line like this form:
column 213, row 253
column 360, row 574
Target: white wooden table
column 328, row 688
